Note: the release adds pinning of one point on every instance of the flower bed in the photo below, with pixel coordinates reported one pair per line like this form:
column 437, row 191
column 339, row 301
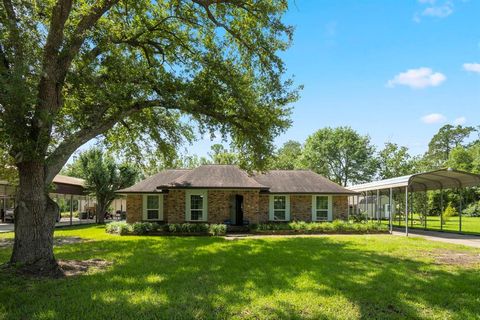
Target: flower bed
column 337, row 226
column 152, row 228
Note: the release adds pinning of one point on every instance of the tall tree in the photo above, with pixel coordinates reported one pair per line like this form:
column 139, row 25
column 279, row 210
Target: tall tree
column 394, row 161
column 444, row 141
column 220, row 155
column 103, row 177
column 140, row 74
column 287, row 157
column 341, row 154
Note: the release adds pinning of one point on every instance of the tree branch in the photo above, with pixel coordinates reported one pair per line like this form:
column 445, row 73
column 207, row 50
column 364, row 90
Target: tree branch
column 14, row 30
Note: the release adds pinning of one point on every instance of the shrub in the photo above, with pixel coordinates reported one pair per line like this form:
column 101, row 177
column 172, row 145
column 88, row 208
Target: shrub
column 449, row 212
column 472, row 210
column 323, row 227
column 140, row 228
column 217, row 229
column 359, row 217
column 119, row 227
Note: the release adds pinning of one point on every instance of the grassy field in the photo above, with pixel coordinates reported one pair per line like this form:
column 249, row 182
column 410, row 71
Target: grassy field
column 469, row 224
column 328, row 277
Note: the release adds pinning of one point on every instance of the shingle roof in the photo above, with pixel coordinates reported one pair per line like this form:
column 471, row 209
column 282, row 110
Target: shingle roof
column 151, row 183
column 232, row 177
column 215, row 176
column 299, row 181
column 68, row 180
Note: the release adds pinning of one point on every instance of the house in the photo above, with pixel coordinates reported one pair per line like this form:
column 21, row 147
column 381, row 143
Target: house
column 227, row 194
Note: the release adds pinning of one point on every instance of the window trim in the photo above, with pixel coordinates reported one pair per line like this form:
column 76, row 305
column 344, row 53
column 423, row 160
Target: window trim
column 272, row 209
column 198, row 192
column 314, row 207
column 160, row 207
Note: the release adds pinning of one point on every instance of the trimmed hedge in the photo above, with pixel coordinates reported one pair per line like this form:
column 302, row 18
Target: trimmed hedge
column 141, row 228
column 337, row 226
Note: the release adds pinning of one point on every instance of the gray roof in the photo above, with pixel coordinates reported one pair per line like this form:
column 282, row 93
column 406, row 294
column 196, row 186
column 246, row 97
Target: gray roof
column 151, row 183
column 232, row 177
column 215, row 176
column 299, row 181
column 69, row 180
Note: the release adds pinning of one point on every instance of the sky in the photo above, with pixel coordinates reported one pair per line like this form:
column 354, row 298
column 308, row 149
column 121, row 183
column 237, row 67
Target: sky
column 394, row 70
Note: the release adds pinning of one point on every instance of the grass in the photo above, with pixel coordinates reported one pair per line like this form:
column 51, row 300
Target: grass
column 469, row 224
column 327, row 277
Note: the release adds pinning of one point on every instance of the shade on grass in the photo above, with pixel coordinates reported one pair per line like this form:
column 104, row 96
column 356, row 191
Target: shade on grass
column 334, row 277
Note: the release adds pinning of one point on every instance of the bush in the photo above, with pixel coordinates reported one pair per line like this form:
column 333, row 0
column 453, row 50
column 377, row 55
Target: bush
column 217, row 229
column 120, row 227
column 140, row 228
column 449, row 212
column 322, row 227
column 359, row 217
column 472, row 210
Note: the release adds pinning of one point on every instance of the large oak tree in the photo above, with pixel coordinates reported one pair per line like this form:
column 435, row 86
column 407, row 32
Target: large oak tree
column 140, row 74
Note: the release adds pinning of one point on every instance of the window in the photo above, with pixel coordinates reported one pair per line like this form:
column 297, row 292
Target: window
column 322, row 208
column 196, row 206
column 153, row 207
column 279, row 208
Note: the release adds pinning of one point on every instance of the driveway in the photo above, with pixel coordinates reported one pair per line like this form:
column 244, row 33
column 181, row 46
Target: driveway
column 8, row 227
column 463, row 239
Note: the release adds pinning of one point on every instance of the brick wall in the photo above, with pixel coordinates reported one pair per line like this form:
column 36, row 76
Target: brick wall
column 263, row 208
column 174, row 206
column 220, row 205
column 301, row 207
column 340, row 207
column 134, row 208
column 255, row 206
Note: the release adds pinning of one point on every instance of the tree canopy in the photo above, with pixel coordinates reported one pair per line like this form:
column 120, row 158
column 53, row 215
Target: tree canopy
column 103, row 176
column 340, row 154
column 143, row 76
column 394, row 161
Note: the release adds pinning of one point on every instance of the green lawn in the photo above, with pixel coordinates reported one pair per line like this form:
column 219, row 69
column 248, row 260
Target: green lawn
column 469, row 224
column 330, row 277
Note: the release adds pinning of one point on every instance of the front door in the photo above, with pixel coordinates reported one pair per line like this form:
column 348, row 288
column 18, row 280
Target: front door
column 238, row 210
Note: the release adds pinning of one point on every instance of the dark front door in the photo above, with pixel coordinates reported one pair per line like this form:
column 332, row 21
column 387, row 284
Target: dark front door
column 238, row 210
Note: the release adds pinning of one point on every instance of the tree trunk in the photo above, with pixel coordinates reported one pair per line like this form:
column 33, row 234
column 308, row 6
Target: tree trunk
column 101, row 208
column 35, row 217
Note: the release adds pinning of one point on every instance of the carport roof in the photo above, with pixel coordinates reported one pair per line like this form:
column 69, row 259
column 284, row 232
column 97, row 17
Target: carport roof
column 432, row 180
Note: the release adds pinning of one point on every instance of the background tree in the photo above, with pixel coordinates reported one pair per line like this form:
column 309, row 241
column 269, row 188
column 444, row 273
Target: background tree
column 444, row 141
column 287, row 157
column 220, row 155
column 103, row 176
column 139, row 74
column 394, row 161
column 341, row 154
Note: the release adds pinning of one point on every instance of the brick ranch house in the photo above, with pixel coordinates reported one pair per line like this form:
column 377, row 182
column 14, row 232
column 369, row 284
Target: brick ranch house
column 227, row 194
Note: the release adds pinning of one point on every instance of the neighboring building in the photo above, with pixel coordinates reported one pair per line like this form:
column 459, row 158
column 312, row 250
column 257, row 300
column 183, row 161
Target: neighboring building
column 227, row 194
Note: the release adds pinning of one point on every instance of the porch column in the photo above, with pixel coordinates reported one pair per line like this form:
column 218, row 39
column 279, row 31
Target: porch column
column 390, row 211
column 71, row 209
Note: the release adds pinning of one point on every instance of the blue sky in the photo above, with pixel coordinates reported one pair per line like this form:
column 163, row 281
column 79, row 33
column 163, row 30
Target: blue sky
column 395, row 70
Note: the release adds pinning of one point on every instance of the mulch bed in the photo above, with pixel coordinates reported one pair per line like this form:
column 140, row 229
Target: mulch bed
column 453, row 257
column 77, row 267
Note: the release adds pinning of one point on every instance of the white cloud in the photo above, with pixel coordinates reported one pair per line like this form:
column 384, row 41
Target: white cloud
column 440, row 11
column 417, row 78
column 460, row 121
column 434, row 8
column 434, row 118
column 472, row 67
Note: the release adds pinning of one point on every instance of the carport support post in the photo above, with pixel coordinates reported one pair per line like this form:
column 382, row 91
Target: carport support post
column 71, row 209
column 460, row 212
column 406, row 211
column 441, row 209
column 378, row 211
column 390, row 211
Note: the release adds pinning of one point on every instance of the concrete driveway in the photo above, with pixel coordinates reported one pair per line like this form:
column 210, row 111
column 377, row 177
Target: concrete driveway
column 8, row 227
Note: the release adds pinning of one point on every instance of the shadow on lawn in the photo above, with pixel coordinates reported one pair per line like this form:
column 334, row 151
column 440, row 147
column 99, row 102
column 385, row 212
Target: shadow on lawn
column 212, row 278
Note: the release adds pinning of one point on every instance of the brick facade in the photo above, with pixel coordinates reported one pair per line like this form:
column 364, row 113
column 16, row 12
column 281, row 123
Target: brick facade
column 340, row 207
column 134, row 208
column 255, row 206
